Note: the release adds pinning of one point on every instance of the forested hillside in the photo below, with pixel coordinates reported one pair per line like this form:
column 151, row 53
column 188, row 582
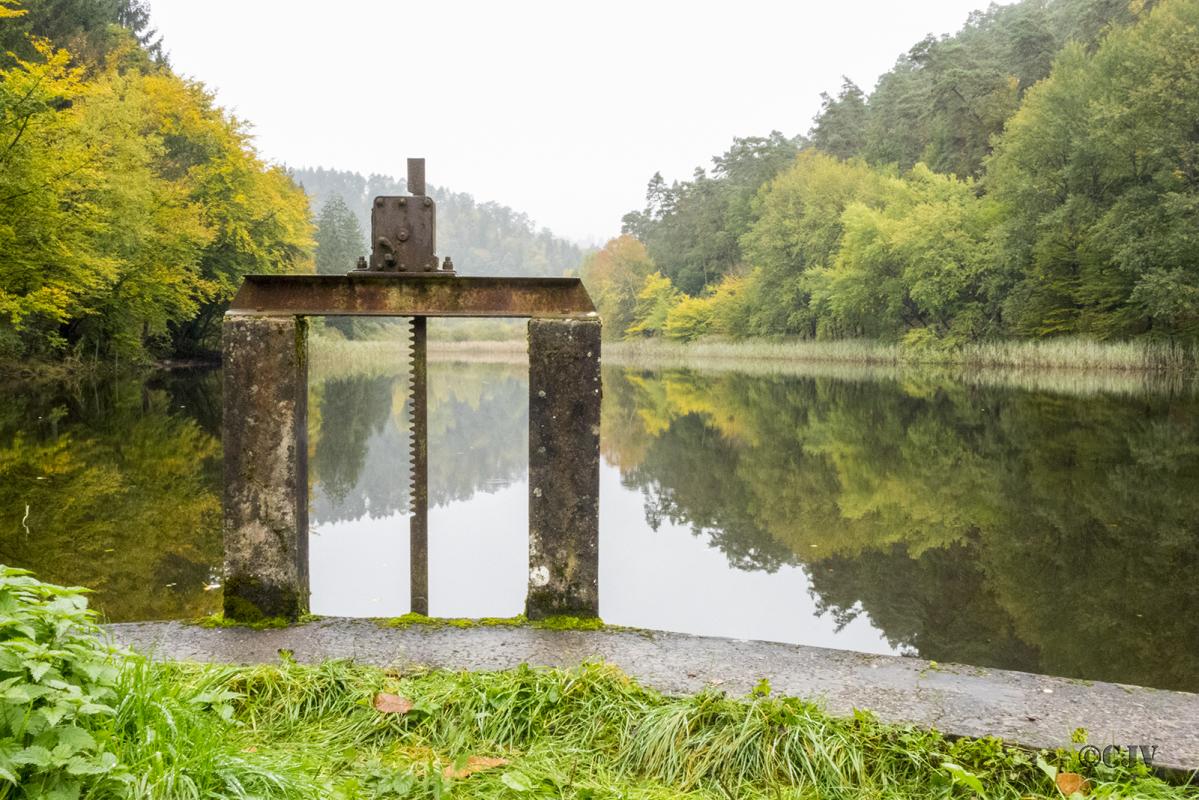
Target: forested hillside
column 130, row 204
column 1035, row 174
column 482, row 238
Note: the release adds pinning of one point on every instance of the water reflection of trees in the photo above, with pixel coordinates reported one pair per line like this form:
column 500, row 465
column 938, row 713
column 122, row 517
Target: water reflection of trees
column 1019, row 529
column 121, row 480
column 1022, row 529
column 359, row 444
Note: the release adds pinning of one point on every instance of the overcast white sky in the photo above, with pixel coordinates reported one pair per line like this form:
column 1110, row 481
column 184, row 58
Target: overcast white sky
column 562, row 110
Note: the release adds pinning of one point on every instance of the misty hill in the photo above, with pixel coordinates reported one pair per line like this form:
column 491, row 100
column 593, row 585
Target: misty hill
column 482, row 238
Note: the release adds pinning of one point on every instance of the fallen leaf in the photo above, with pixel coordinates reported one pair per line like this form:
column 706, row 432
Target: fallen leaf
column 250, row 749
column 1070, row 782
column 517, row 782
column 392, row 703
column 474, row 764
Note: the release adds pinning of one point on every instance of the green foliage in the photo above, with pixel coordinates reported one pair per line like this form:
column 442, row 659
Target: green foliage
column 591, row 732
column 798, row 230
column 92, row 29
column 692, row 229
column 915, row 262
column 339, row 244
column 78, row 718
column 130, row 208
column 614, row 276
column 898, row 222
column 1097, row 174
column 339, row 238
column 655, row 299
column 947, row 97
column 841, row 125
column 55, row 680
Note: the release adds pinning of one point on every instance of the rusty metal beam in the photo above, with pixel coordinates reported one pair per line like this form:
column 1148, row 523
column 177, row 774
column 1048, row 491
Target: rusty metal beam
column 380, row 294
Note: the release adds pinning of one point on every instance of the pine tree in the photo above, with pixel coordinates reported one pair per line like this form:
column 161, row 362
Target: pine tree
column 339, row 239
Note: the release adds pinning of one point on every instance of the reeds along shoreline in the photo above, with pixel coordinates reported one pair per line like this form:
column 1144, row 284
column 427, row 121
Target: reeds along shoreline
column 1083, row 354
column 1072, row 366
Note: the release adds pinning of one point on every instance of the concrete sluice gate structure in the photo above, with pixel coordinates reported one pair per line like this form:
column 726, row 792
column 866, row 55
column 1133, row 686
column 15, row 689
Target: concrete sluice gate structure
column 265, row 426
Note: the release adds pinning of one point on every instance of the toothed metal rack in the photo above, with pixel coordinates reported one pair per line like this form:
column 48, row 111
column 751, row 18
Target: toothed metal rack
column 265, row 428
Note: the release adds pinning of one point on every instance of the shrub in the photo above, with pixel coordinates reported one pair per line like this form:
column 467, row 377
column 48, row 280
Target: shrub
column 56, row 681
column 80, row 718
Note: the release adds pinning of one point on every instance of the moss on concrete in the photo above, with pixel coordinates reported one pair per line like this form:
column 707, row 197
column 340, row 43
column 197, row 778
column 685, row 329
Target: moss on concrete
column 555, row 623
column 413, row 619
column 566, row 623
column 263, row 623
column 410, row 620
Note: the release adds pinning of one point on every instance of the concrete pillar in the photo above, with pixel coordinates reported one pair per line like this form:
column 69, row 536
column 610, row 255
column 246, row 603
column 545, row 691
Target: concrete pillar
column 564, row 423
column 265, row 439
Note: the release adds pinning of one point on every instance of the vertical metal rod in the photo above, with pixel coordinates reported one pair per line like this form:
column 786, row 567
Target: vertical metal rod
column 416, row 176
column 418, row 548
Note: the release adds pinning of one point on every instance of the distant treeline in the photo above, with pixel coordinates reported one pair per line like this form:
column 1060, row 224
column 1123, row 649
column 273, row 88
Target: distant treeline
column 1035, row 174
column 482, row 238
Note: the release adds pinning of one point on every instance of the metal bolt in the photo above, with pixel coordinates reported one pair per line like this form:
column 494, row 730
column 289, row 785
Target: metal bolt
column 403, row 201
column 403, row 235
column 378, row 202
column 428, row 202
column 448, row 264
column 361, row 262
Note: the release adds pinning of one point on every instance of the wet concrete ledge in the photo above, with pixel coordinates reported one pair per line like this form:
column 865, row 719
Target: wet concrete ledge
column 1032, row 710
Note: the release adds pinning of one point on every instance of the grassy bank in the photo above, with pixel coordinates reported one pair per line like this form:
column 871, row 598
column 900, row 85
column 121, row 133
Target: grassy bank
column 82, row 721
column 1063, row 366
column 335, row 358
column 333, row 355
column 1039, row 354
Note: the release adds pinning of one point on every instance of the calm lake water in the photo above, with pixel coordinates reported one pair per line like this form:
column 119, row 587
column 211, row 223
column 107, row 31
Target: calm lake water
column 1050, row 528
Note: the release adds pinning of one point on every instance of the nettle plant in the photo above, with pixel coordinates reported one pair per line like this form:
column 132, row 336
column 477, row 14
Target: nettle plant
column 57, row 691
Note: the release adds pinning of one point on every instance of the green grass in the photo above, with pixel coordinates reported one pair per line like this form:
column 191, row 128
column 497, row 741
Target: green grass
column 584, row 733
